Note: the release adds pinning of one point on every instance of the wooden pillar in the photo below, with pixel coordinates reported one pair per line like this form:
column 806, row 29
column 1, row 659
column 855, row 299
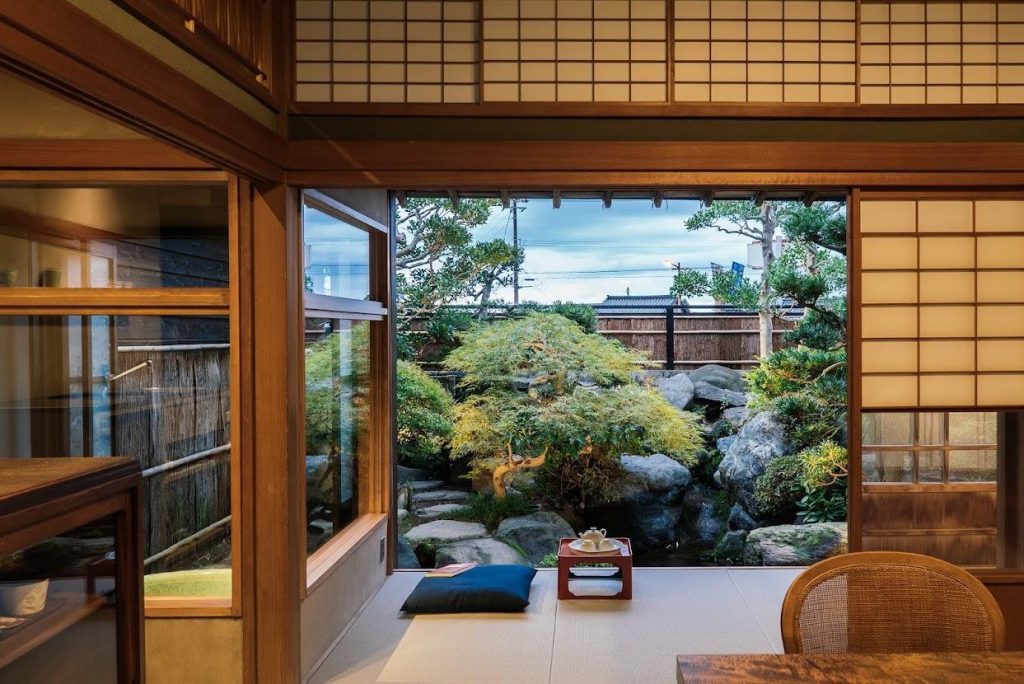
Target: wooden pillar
column 272, row 569
column 1010, row 492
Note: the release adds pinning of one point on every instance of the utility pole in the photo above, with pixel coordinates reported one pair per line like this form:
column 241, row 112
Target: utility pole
column 515, row 245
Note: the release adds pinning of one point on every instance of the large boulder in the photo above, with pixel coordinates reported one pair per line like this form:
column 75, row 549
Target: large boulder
column 487, row 551
column 702, row 523
column 719, row 376
column 737, row 416
column 739, row 519
column 437, row 496
column 656, row 472
column 407, row 474
column 708, row 393
column 731, row 546
column 757, row 443
column 647, row 502
column 724, row 443
column 795, row 544
column 439, row 511
column 536, row 534
column 444, row 531
column 677, row 390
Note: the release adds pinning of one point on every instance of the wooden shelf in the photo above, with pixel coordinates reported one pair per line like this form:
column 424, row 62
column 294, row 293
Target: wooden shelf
column 75, row 608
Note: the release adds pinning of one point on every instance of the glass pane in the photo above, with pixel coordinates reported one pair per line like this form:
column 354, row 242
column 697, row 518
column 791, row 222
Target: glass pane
column 888, row 466
column 930, row 429
column 972, row 428
column 337, row 410
column 929, row 466
column 156, row 388
column 884, row 429
column 974, row 465
column 114, row 236
column 58, row 608
column 337, row 256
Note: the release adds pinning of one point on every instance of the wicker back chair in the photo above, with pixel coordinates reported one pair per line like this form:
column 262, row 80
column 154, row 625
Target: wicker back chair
column 887, row 602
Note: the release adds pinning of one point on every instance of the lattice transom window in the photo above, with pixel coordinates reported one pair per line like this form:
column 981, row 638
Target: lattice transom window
column 942, row 53
column 929, row 448
column 418, row 51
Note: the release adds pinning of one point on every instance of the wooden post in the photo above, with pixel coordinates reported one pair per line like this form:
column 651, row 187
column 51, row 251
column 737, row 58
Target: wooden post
column 670, row 338
column 275, row 562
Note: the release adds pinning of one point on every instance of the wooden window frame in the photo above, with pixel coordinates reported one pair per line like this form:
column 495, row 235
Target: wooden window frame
column 211, row 302
column 320, row 564
column 916, row 448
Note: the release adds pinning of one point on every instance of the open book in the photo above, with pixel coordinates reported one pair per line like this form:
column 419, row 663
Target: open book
column 451, row 570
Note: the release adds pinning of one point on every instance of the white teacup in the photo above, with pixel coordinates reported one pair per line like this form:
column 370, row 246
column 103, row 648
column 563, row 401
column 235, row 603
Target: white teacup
column 23, row 598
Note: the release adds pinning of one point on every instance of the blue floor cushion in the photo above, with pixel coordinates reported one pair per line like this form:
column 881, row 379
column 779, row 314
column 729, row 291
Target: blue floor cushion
column 484, row 589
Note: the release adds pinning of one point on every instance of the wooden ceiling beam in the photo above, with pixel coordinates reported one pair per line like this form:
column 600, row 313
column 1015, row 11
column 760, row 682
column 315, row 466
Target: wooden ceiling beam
column 453, row 195
column 556, row 199
column 607, row 199
column 506, row 199
column 658, row 199
column 707, row 198
column 759, row 198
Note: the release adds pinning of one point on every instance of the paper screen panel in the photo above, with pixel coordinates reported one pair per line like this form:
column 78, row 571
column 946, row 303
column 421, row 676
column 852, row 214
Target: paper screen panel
column 883, row 391
column 887, row 322
column 999, row 216
column 1001, row 390
column 947, row 390
column 946, row 252
column 888, row 216
column 947, row 321
column 955, row 321
column 944, row 356
column 1001, row 321
column 941, row 52
column 1001, row 355
column 945, row 216
column 765, row 51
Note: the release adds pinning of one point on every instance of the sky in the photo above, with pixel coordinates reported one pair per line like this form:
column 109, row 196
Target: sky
column 582, row 252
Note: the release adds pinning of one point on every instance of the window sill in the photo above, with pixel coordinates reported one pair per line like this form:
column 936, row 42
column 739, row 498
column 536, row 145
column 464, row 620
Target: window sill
column 326, row 559
column 188, row 606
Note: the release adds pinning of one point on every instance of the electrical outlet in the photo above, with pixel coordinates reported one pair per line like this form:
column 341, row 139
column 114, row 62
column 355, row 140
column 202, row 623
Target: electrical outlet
column 383, row 549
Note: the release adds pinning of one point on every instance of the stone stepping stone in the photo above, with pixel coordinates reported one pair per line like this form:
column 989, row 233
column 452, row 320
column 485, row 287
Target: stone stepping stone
column 438, row 511
column 423, row 485
column 487, row 551
column 445, row 531
column 434, row 496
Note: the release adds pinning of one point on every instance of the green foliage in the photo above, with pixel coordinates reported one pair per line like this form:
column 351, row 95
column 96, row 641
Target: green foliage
column 425, row 417
column 824, row 464
column 722, row 286
column 778, row 491
column 810, row 485
column 337, row 402
column 550, row 560
column 827, row 504
column 799, row 370
column 578, row 410
column 439, row 262
column 820, row 224
column 551, row 352
column 690, row 282
column 490, row 510
column 581, row 314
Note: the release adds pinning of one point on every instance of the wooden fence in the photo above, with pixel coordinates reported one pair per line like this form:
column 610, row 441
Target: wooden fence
column 728, row 339
column 173, row 414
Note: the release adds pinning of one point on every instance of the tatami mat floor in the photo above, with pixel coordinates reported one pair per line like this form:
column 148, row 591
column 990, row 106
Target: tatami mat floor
column 673, row 611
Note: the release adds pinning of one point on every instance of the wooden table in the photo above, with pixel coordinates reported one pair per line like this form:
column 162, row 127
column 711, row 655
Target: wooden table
column 847, row 668
column 622, row 559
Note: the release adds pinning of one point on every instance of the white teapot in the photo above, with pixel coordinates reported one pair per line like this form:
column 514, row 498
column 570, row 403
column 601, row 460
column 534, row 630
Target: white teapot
column 593, row 537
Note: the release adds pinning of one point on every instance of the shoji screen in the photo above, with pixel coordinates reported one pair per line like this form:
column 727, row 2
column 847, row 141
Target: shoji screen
column 941, row 293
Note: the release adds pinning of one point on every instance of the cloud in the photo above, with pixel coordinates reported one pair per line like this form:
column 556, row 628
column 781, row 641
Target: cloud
column 582, row 251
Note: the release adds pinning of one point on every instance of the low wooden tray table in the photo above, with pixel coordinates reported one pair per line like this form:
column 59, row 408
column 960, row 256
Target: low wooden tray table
column 622, row 559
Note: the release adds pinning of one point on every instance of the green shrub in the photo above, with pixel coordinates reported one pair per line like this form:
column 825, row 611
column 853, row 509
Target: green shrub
column 490, row 510
column 826, row 504
column 778, row 491
column 579, row 412
column 548, row 350
column 425, row 418
column 581, row 314
column 798, row 370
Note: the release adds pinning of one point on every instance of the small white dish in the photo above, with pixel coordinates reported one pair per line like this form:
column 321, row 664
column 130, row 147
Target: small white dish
column 606, row 546
column 593, row 572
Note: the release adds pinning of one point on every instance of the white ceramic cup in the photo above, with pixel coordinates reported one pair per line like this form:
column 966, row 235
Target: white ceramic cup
column 23, row 598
